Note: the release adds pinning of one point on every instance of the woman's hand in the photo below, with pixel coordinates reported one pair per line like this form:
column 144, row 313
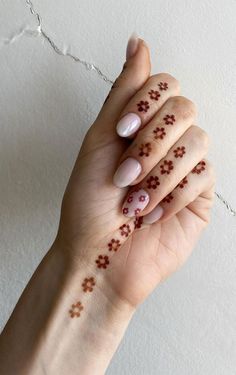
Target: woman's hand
column 138, row 235
column 133, row 209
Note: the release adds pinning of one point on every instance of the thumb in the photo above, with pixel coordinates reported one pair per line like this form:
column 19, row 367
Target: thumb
column 136, row 71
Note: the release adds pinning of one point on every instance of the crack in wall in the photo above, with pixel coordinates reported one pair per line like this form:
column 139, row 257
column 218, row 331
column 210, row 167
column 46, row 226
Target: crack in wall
column 65, row 53
column 89, row 66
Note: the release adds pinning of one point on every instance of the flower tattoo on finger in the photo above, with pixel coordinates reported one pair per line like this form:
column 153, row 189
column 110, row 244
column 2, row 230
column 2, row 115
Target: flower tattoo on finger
column 154, row 95
column 163, row 86
column 145, row 149
column 143, row 106
column 179, row 152
column 153, row 182
column 201, row 166
column 166, row 167
column 114, row 245
column 168, row 198
column 159, row 133
column 169, row 119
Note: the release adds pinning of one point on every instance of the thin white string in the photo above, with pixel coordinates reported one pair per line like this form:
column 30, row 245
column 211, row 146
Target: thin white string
column 89, row 66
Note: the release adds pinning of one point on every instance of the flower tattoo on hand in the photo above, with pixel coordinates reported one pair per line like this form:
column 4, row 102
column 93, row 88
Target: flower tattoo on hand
column 75, row 310
column 159, row 133
column 169, row 119
column 145, row 149
column 166, row 167
column 143, row 106
column 88, row 284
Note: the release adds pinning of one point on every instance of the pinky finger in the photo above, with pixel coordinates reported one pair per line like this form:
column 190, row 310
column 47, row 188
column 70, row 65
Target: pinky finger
column 195, row 191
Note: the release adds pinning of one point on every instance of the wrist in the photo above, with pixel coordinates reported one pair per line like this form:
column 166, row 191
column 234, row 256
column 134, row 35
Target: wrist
column 102, row 322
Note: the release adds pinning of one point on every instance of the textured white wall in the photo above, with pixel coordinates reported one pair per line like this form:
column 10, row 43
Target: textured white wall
column 47, row 101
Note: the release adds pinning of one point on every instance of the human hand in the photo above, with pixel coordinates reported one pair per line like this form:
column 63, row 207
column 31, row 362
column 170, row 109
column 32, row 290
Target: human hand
column 145, row 241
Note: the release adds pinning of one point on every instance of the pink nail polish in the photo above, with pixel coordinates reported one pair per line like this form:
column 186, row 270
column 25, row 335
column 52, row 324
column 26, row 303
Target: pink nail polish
column 127, row 172
column 154, row 215
column 135, row 203
column 132, row 46
column 128, row 125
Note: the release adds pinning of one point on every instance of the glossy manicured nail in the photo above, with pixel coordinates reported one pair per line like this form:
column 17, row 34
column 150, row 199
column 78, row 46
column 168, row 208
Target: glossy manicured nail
column 154, row 215
column 132, row 46
column 128, row 125
column 135, row 203
column 127, row 172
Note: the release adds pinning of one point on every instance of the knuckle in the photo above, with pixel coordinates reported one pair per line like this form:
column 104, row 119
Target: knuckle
column 183, row 106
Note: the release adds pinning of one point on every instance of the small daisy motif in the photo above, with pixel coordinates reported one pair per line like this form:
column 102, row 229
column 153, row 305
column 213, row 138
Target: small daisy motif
column 130, row 199
column 154, row 95
column 166, row 167
column 163, row 86
column 138, row 222
column 182, row 183
column 145, row 149
column 153, row 182
column 143, row 106
column 201, row 166
column 88, row 284
column 125, row 230
column 168, row 198
column 137, row 211
column 102, row 261
column 125, row 210
column 114, row 245
column 169, row 119
column 142, row 198
column 179, row 152
column 76, row 309
column 159, row 133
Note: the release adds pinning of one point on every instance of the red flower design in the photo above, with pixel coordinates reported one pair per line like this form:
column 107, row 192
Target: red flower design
column 169, row 119
column 153, row 182
column 125, row 230
column 159, row 133
column 182, row 183
column 102, row 261
column 130, row 199
column 136, row 212
column 167, row 167
column 138, row 222
column 145, row 149
column 163, row 86
column 125, row 210
column 179, row 152
column 75, row 310
column 88, row 284
column 114, row 245
column 143, row 106
column 201, row 166
column 155, row 95
column 168, row 198
column 142, row 198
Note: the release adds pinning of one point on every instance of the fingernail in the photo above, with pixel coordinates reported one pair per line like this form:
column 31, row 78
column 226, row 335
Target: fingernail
column 154, row 215
column 127, row 172
column 135, row 203
column 132, row 46
column 128, row 125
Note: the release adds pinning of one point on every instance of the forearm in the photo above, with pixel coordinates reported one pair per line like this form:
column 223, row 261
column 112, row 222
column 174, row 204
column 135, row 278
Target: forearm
column 42, row 336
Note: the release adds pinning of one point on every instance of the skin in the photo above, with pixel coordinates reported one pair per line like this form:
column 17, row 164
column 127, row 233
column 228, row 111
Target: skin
column 91, row 216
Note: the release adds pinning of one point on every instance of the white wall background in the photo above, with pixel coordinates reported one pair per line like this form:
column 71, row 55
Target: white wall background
column 47, row 101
